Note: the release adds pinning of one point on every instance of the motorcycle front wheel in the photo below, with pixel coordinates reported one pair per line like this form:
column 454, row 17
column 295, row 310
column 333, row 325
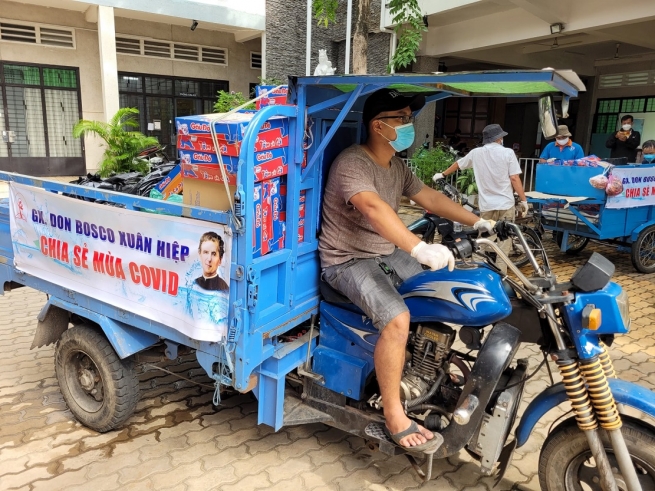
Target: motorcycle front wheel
column 566, row 463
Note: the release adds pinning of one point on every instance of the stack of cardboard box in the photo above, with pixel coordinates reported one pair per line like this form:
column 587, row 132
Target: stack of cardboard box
column 204, row 182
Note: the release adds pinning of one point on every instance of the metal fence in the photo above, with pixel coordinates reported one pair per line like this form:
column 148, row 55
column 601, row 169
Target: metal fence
column 528, row 166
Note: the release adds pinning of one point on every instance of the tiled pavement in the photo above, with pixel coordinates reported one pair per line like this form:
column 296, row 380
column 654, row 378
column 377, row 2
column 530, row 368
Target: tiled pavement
column 176, row 440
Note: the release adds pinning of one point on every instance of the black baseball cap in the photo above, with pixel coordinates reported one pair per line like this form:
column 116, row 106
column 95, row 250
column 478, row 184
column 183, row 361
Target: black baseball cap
column 390, row 100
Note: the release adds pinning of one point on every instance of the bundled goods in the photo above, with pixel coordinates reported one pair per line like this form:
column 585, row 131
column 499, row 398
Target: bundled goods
column 276, row 96
column 614, row 186
column 198, row 152
column 204, row 181
column 269, row 225
column 301, row 215
column 590, row 161
column 599, row 181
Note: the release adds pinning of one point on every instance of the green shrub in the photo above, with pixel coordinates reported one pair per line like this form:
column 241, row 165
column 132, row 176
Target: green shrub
column 428, row 162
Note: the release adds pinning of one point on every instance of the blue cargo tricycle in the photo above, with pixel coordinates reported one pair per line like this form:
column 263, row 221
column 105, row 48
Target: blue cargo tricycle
column 123, row 282
column 627, row 220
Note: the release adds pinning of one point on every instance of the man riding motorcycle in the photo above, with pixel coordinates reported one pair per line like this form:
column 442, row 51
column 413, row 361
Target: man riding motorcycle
column 366, row 250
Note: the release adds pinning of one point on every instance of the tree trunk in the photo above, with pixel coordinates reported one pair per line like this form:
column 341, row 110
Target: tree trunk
column 360, row 38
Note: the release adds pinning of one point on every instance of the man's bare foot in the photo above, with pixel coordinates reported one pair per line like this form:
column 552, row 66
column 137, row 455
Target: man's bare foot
column 401, row 423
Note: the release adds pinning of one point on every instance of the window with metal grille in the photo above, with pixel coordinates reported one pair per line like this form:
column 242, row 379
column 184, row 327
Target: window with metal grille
column 609, row 106
column 164, row 98
column 608, row 111
column 136, row 46
column 255, row 61
column 633, row 105
column 41, row 107
column 19, row 32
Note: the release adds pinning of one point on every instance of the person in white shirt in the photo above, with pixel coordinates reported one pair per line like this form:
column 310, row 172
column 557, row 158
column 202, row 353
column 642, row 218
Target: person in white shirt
column 497, row 174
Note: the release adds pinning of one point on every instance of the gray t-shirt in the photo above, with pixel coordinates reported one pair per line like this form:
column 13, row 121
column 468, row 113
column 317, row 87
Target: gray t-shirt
column 345, row 232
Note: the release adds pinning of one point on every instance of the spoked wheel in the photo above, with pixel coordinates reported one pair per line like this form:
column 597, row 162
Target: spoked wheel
column 517, row 253
column 575, row 243
column 566, row 463
column 100, row 389
column 643, row 251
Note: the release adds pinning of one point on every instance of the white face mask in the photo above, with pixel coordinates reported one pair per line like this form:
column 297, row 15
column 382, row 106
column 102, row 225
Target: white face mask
column 626, row 127
column 562, row 141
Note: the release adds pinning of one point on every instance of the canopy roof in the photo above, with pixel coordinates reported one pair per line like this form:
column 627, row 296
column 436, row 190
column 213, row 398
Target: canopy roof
column 520, row 83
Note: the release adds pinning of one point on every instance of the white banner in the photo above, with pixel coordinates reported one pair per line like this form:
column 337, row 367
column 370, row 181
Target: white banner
column 638, row 187
column 168, row 269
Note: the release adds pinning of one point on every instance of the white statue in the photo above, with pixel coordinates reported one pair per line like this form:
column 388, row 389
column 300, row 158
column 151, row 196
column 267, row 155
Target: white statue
column 324, row 66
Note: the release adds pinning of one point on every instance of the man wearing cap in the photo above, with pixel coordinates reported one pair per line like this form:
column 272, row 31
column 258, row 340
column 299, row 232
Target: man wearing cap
column 366, row 250
column 563, row 148
column 497, row 174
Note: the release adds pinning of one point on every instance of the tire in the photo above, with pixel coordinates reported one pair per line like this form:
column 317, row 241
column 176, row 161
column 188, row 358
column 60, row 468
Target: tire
column 516, row 253
column 576, row 242
column 85, row 361
column 643, row 251
column 564, row 462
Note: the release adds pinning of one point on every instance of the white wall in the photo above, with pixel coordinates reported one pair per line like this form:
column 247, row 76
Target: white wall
column 85, row 56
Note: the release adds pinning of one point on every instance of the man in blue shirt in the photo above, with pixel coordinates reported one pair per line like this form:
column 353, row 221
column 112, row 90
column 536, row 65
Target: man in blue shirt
column 563, row 148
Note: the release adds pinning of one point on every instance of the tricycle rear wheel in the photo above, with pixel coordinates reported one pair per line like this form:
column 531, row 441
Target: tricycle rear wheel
column 575, row 243
column 100, row 389
column 643, row 251
column 566, row 463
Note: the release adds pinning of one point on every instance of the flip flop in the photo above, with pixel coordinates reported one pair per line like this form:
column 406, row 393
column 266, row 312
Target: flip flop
column 428, row 447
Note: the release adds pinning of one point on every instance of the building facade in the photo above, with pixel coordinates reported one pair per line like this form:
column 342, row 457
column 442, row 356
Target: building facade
column 63, row 60
column 610, row 45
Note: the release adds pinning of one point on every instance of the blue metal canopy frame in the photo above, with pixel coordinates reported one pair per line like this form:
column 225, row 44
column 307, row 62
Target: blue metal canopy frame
column 435, row 86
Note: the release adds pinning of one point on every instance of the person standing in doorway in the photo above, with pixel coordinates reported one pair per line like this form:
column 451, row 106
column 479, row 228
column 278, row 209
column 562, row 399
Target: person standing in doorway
column 563, row 148
column 624, row 143
column 498, row 176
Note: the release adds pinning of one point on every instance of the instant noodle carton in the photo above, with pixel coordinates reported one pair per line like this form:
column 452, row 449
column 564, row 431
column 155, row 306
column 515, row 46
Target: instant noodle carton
column 269, row 224
column 275, row 97
column 270, row 163
column 229, row 129
column 172, row 183
column 266, row 140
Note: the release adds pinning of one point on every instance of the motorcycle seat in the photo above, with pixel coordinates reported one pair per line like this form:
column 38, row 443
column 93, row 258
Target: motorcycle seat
column 334, row 297
column 331, row 295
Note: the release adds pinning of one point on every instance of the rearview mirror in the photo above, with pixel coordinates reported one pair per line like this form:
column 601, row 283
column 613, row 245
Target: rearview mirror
column 548, row 116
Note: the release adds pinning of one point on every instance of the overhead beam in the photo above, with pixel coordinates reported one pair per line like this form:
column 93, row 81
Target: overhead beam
column 91, row 14
column 557, row 59
column 552, row 12
column 492, row 31
column 566, row 42
column 247, row 35
column 625, row 34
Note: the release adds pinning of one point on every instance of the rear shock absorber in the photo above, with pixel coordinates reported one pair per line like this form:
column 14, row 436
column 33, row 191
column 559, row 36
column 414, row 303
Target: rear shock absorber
column 576, row 390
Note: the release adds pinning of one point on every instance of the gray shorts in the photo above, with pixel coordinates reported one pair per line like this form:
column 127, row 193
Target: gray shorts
column 366, row 285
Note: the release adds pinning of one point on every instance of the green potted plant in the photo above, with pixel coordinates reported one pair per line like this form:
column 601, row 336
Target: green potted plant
column 466, row 183
column 229, row 100
column 427, row 162
column 122, row 144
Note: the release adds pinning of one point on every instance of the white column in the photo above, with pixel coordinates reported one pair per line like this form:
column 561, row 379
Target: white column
column 308, row 41
column 349, row 21
column 263, row 55
column 108, row 62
